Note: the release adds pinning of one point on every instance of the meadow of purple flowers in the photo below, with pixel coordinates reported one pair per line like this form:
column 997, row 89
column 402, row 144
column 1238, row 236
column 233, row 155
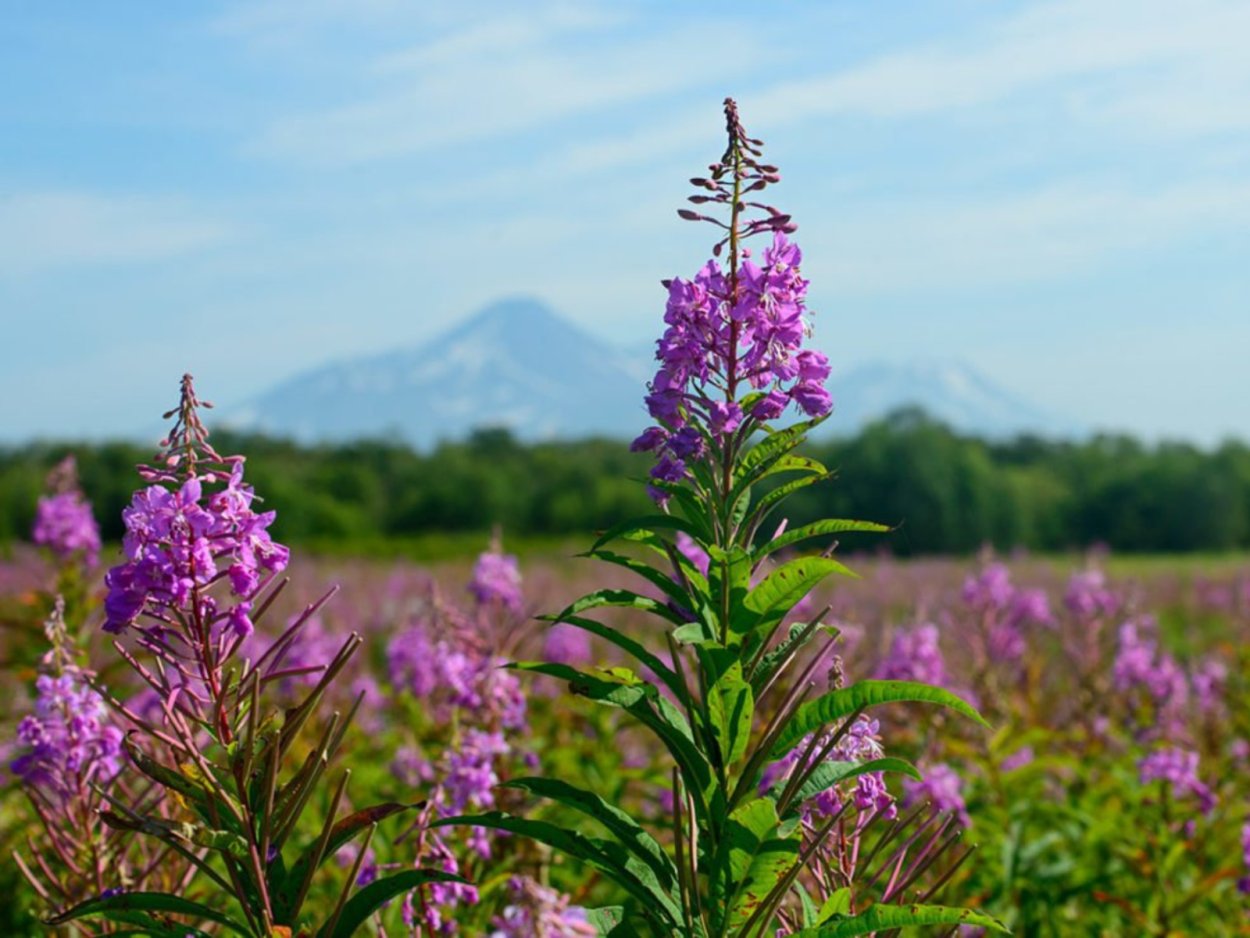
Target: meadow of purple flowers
column 1111, row 798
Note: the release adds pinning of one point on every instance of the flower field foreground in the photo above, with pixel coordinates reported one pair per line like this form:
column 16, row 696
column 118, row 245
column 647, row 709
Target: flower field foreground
column 707, row 726
column 1073, row 831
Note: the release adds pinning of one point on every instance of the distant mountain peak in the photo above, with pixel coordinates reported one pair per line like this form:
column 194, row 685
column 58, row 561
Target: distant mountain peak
column 515, row 312
column 517, row 363
column 949, row 390
column 494, row 368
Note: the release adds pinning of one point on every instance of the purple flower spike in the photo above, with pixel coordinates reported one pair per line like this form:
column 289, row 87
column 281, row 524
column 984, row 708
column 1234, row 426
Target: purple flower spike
column 497, row 580
column 63, row 520
column 733, row 328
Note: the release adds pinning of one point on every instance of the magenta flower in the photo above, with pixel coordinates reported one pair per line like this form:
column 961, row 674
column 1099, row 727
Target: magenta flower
column 496, row 580
column 536, row 909
column 943, row 788
column 64, row 524
column 181, row 542
column 565, row 644
column 63, row 520
column 69, row 742
column 1088, row 596
column 690, row 549
column 1178, row 769
column 915, row 655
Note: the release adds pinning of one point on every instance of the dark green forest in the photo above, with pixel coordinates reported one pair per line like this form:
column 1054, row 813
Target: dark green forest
column 946, row 492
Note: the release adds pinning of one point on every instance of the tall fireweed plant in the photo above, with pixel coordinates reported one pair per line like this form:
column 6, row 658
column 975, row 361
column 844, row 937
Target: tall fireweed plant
column 241, row 778
column 730, row 691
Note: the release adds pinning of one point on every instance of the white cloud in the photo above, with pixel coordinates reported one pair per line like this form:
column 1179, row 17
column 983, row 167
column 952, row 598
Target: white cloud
column 43, row 231
column 513, row 74
column 1181, row 48
column 1027, row 237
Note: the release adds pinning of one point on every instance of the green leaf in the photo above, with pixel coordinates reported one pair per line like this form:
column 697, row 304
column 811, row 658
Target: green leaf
column 608, row 857
column 731, row 710
column 372, row 897
column 774, row 497
column 819, row 713
column 811, row 915
column 623, row 689
column 767, row 451
column 837, row 903
column 752, row 859
column 647, row 524
column 782, row 590
column 817, row 529
column 625, row 599
column 799, row 635
column 689, row 502
column 166, row 776
column 656, row 577
column 881, row 917
column 694, row 633
column 341, row 833
column 608, row 921
column 146, row 902
column 626, row 830
column 629, row 646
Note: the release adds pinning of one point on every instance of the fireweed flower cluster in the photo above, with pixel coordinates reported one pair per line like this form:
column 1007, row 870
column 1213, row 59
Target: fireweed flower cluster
column 70, row 763
column 734, row 328
column 861, row 743
column 915, row 655
column 1005, row 611
column 943, row 788
column 63, row 520
column 444, row 664
column 729, row 688
column 181, row 539
column 1143, row 669
column 1178, row 769
column 539, row 910
column 497, row 580
column 200, row 570
column 69, row 742
column 1089, row 597
column 455, row 677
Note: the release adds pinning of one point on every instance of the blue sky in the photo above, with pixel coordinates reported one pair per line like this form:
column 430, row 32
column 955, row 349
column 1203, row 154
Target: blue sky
column 1057, row 193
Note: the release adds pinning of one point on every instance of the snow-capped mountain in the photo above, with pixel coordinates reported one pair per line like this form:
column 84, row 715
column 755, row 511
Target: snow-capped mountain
column 949, row 391
column 515, row 364
column 519, row 365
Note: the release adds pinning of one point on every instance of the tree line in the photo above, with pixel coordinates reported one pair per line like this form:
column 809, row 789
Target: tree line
column 944, row 491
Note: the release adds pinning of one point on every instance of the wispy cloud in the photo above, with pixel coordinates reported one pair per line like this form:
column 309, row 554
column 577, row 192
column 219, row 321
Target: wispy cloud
column 1045, row 234
column 1043, row 44
column 50, row 230
column 517, row 73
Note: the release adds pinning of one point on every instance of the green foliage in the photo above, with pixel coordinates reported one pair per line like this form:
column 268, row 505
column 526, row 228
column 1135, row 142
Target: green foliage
column 941, row 491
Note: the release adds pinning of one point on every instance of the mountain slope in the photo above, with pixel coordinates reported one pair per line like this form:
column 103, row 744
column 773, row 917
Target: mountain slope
column 515, row 364
column 950, row 391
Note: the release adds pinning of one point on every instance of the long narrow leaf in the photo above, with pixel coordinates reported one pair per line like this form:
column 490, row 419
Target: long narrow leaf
column 608, row 857
column 649, row 523
column 372, row 897
column 819, row 713
column 146, row 902
column 818, row 529
column 881, row 917
column 626, row 830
